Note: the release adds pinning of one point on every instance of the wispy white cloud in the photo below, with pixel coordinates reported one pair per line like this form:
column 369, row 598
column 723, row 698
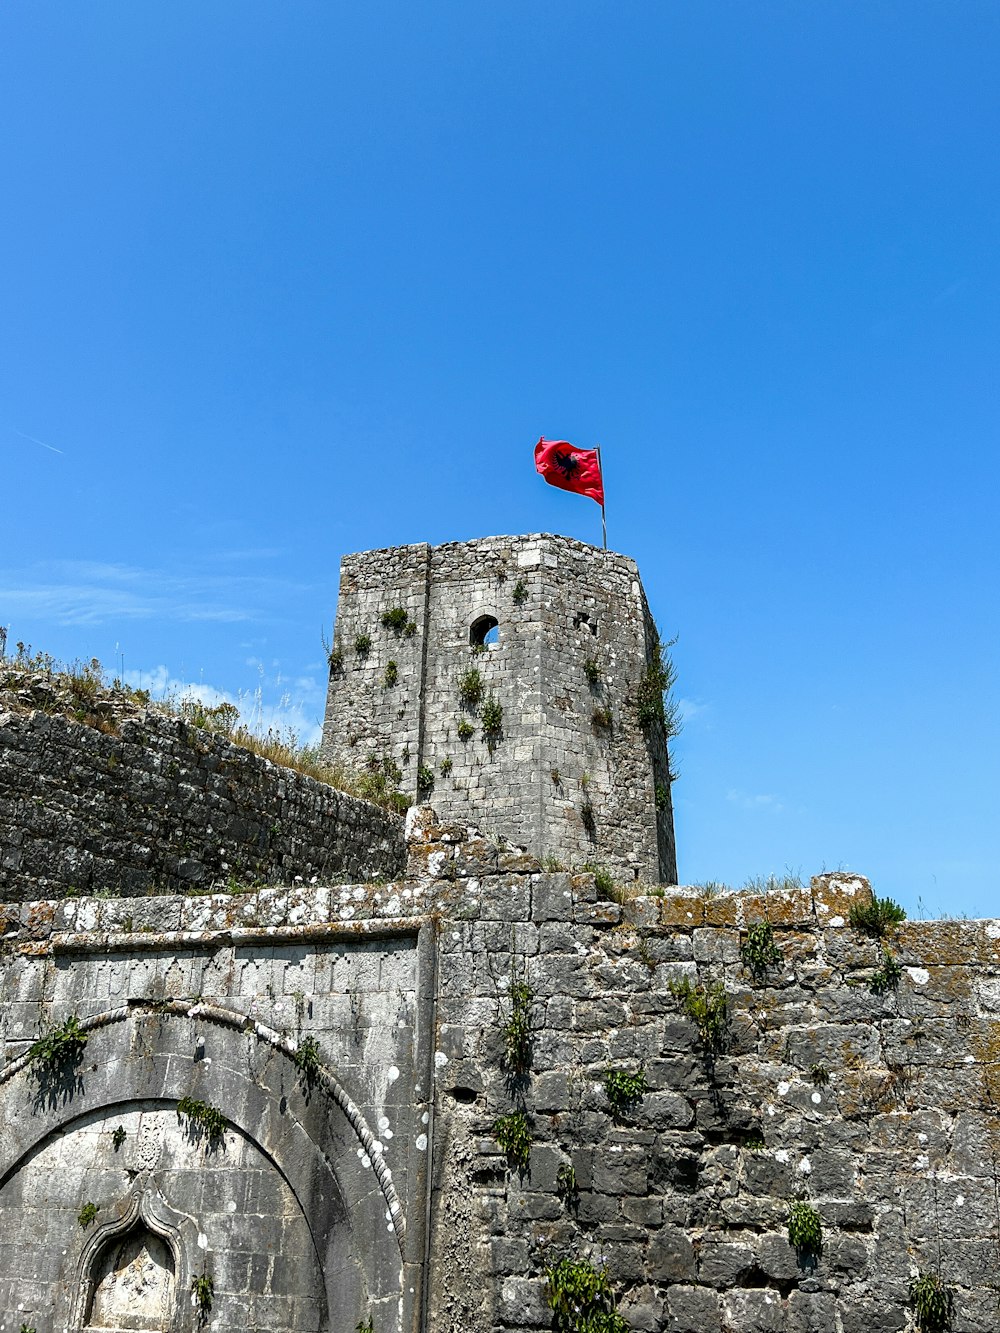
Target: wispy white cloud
column 689, row 709
column 263, row 708
column 87, row 592
column 50, row 447
column 764, row 801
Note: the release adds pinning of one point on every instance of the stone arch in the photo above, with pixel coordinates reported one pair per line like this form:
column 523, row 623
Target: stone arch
column 106, row 1264
column 319, row 1144
column 484, row 632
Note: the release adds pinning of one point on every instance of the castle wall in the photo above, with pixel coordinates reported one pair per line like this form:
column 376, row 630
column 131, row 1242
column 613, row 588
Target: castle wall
column 572, row 774
column 875, row 1102
column 310, row 1203
column 163, row 806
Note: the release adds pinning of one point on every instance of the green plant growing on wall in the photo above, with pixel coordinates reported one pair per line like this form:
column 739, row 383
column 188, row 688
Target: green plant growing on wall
column 888, row 975
column 390, row 675
column 567, row 1188
column 306, row 1060
column 365, row 1326
column 59, row 1048
column 875, row 918
column 363, row 644
column 820, row 1075
column 588, row 817
column 759, row 951
column 661, row 794
column 335, row 661
column 933, row 1303
column 513, row 1133
column 491, row 717
column 603, row 881
column 706, row 1006
column 204, row 1121
column 465, row 729
column 409, row 629
column 445, row 766
column 27, row 1328
column 202, row 1295
column 87, row 1213
column 395, row 619
column 624, row 1090
column 581, row 1299
column 470, row 687
column 516, row 1030
column 425, row 778
column 654, row 702
column 520, row 593
column 592, row 670
column 118, row 1137
column 601, row 719
column 805, row 1231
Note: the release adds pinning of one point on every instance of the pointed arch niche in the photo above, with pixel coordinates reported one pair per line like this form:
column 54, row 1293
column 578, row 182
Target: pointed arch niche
column 132, row 1271
column 133, row 1285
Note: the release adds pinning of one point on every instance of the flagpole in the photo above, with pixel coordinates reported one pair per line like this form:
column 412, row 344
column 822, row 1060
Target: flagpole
column 604, row 522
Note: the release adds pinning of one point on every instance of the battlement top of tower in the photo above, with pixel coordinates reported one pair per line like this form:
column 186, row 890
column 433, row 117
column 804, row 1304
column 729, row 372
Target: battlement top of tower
column 528, row 547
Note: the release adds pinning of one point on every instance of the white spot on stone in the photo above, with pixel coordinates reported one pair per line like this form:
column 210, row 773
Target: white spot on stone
column 231, row 1206
column 366, row 1161
column 387, row 1133
column 421, row 1143
column 383, row 1122
column 969, row 1060
column 834, row 920
column 823, row 907
column 816, row 1098
column 390, row 1227
column 922, row 1162
column 783, row 1089
column 425, row 1118
column 919, row 975
column 392, row 1073
column 805, row 1166
column 959, row 1200
column 770, row 1109
column 440, row 1059
column 202, row 1241
column 456, row 934
column 921, row 1138
column 781, row 1155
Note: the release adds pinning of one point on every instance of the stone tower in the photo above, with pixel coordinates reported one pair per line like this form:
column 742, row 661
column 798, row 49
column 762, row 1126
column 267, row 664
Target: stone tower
column 502, row 678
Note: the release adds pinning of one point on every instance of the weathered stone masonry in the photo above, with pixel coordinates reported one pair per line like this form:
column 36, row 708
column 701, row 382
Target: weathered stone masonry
column 573, row 774
column 315, row 1212
column 161, row 806
column 283, row 1104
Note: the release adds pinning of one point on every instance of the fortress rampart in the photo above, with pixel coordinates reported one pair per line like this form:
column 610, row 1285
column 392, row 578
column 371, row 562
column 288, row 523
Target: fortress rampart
column 556, row 635
column 419, row 1081
column 376, row 1187
column 160, row 806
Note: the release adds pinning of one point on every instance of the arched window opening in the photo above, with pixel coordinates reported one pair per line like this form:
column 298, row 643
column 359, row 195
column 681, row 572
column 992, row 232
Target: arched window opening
column 484, row 632
column 132, row 1285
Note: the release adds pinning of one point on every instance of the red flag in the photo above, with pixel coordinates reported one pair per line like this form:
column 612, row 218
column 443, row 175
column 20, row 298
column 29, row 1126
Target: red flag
column 569, row 468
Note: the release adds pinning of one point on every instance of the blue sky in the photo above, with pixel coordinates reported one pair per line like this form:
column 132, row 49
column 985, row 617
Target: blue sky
column 286, row 281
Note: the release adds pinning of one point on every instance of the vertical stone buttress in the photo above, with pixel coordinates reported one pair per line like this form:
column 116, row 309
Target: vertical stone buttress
column 573, row 774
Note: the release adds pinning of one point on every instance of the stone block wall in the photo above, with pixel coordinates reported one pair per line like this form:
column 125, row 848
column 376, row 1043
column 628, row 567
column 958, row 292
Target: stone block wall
column 159, row 805
column 572, row 774
column 876, row 1105
column 381, row 1189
